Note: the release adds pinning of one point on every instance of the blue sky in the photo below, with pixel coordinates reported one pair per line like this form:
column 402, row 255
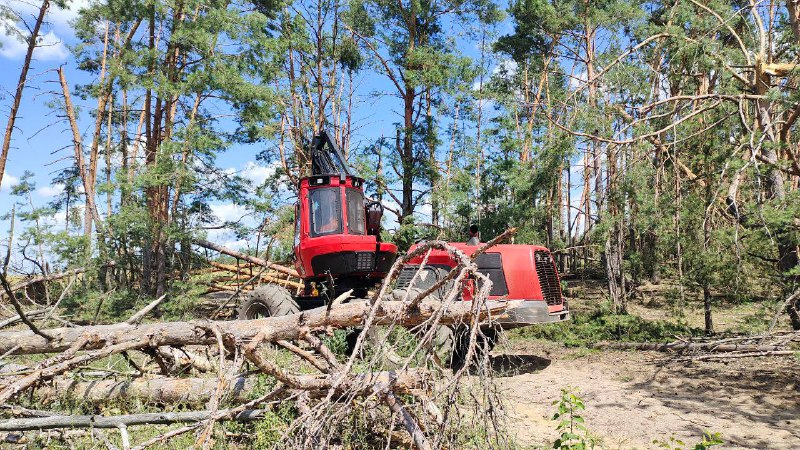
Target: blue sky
column 42, row 142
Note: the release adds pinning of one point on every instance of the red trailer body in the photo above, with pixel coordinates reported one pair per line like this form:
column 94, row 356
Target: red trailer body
column 524, row 275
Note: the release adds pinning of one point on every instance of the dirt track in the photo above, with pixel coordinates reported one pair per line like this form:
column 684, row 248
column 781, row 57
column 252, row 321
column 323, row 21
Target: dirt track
column 634, row 398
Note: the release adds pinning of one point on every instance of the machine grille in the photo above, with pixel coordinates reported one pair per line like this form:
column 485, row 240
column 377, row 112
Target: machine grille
column 365, row 261
column 548, row 278
column 406, row 275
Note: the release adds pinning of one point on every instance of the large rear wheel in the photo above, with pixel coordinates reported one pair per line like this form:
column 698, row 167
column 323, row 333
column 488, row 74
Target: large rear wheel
column 484, row 343
column 267, row 301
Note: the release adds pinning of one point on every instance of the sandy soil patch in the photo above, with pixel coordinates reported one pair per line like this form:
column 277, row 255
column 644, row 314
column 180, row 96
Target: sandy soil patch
column 633, row 398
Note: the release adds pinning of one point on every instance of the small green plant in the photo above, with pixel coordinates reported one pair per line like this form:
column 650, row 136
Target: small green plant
column 709, row 440
column 573, row 433
column 338, row 341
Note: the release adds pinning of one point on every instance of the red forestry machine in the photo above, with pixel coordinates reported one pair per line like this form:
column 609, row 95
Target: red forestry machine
column 337, row 248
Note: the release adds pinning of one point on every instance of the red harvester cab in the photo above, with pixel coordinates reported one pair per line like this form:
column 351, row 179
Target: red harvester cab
column 337, row 231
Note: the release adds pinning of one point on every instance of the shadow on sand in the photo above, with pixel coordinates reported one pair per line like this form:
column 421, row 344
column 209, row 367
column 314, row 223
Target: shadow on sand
column 509, row 364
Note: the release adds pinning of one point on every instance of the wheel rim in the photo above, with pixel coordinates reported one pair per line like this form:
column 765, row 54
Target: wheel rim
column 256, row 311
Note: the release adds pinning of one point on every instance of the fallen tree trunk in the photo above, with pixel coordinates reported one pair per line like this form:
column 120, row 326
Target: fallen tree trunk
column 246, row 257
column 183, row 390
column 687, row 347
column 199, row 390
column 98, row 421
column 274, row 328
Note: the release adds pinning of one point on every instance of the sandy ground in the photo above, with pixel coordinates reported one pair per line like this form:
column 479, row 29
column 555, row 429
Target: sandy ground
column 633, row 398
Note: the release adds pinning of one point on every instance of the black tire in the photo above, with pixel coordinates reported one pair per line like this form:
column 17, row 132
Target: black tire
column 485, row 342
column 444, row 345
column 444, row 339
column 267, row 301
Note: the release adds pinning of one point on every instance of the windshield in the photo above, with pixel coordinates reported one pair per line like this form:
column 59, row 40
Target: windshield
column 355, row 212
column 326, row 217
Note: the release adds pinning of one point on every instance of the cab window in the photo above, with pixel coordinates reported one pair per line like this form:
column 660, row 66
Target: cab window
column 326, row 215
column 491, row 265
column 355, row 212
column 296, row 225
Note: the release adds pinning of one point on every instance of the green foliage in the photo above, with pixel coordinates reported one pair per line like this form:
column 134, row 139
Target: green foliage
column 600, row 324
column 268, row 431
column 408, row 234
column 709, row 440
column 338, row 341
column 573, row 432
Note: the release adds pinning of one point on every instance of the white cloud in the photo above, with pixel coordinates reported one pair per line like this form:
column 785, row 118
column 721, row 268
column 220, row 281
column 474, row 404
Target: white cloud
column 235, row 245
column 9, row 181
column 228, row 212
column 10, row 46
column 50, row 48
column 50, row 191
column 258, row 174
column 424, row 213
column 58, row 220
column 62, row 18
column 56, row 29
column 226, row 238
column 57, row 17
column 579, row 80
column 507, row 67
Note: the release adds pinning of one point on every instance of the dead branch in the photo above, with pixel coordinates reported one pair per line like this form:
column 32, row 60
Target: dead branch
column 136, row 318
column 325, row 399
column 18, row 309
column 181, row 360
column 16, row 386
column 227, row 414
column 408, row 421
column 50, row 277
column 190, row 391
column 33, row 42
column 744, row 355
column 785, row 307
column 170, row 390
column 88, row 187
column 687, row 347
column 244, row 269
column 14, row 319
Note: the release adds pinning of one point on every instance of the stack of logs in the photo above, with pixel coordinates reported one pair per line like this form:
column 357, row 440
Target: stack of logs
column 248, row 272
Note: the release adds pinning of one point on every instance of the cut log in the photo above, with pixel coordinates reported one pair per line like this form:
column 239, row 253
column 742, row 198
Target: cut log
column 274, row 328
column 687, row 347
column 246, row 257
column 163, row 390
